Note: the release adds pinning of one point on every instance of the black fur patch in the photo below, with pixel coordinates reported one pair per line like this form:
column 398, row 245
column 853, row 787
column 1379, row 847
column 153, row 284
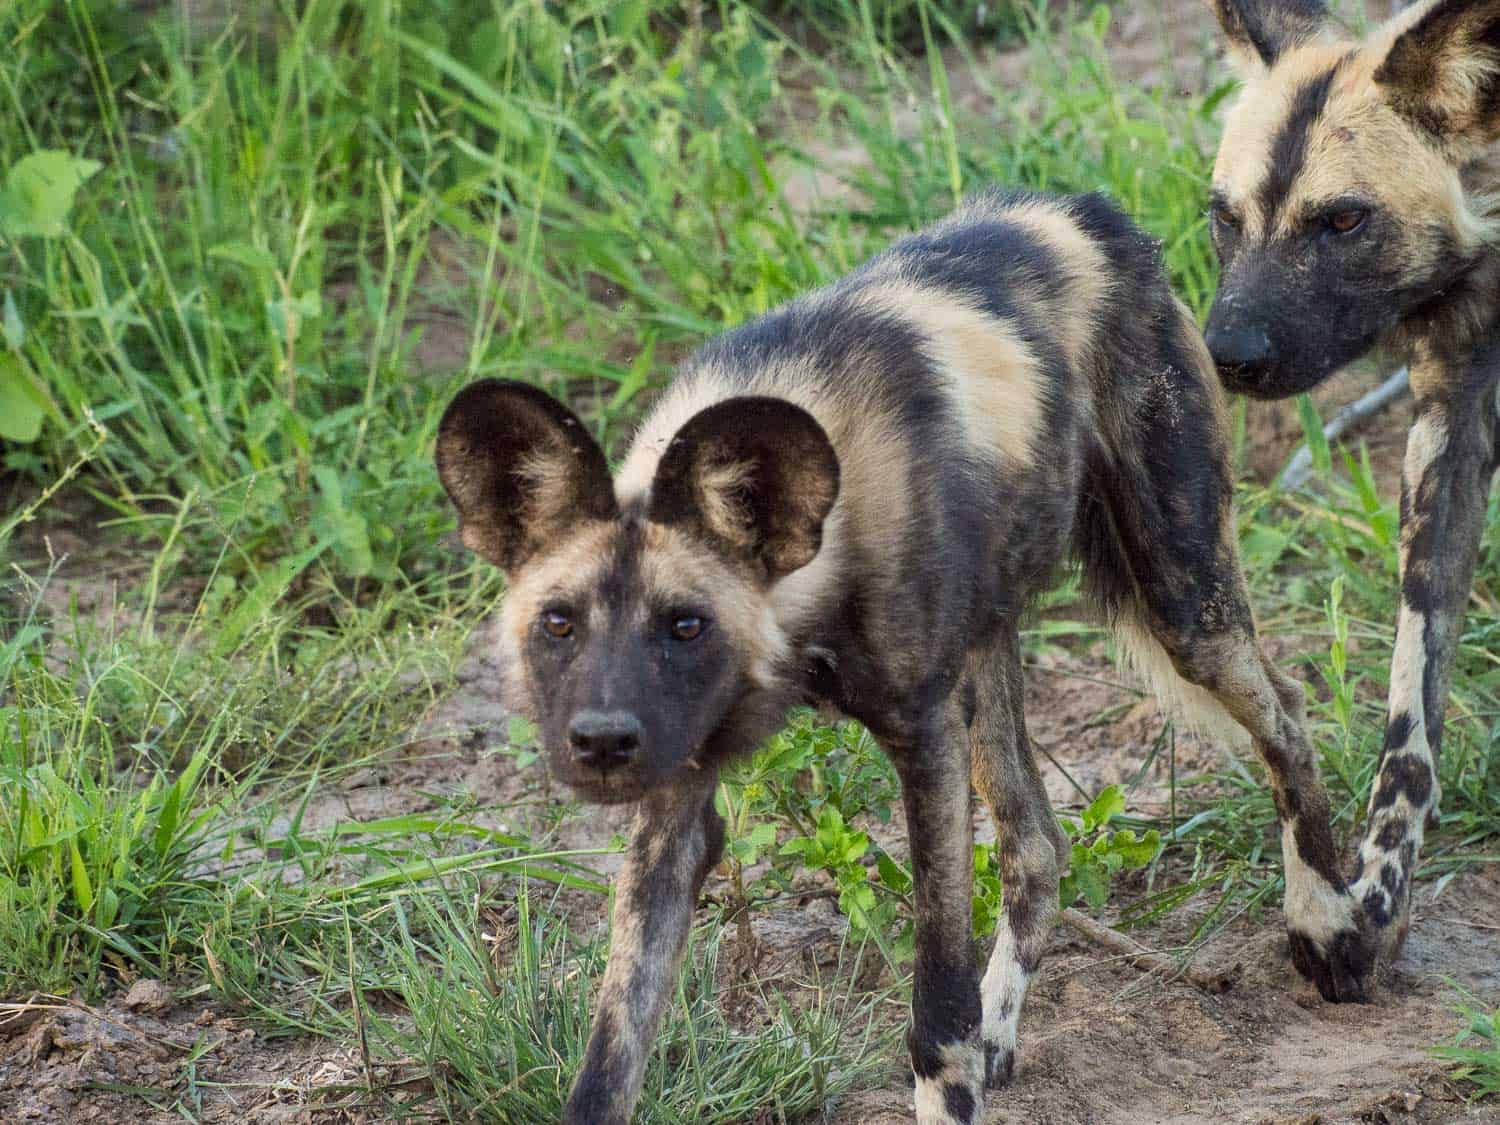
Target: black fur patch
column 958, row 1102
column 1289, row 146
column 1403, row 775
column 592, row 1098
column 1397, row 732
column 1269, row 27
column 1391, row 835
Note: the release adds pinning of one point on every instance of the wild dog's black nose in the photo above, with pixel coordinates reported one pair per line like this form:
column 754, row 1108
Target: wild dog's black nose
column 604, row 740
column 1238, row 348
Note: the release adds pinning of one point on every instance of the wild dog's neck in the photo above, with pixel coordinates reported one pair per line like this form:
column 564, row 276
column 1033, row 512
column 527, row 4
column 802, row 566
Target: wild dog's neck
column 1454, row 322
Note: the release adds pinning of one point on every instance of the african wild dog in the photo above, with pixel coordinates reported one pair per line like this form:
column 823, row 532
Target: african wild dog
column 849, row 501
column 1357, row 204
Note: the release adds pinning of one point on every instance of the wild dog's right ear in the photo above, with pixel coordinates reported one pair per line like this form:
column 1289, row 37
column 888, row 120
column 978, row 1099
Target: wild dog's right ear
column 520, row 468
column 1258, row 31
column 754, row 476
column 1443, row 72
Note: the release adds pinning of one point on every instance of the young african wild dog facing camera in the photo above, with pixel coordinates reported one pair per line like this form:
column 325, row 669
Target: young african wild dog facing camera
column 1357, row 204
column 850, row 501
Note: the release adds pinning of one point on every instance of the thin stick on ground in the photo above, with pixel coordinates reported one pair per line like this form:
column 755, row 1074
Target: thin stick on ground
column 1143, row 958
column 1299, row 469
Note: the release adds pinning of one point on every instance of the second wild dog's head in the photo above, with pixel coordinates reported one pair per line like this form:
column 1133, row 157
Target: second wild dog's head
column 636, row 629
column 1341, row 204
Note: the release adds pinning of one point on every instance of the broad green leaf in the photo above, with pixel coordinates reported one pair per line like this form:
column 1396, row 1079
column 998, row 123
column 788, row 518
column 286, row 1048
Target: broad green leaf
column 83, row 889
column 1109, row 802
column 21, row 411
column 892, row 875
column 285, row 315
column 39, row 193
column 1093, row 883
column 1132, row 852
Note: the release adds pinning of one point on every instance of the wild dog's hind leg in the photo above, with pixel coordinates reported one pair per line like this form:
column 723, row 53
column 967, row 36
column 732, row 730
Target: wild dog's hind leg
column 945, row 1046
column 1031, row 843
column 1161, row 511
column 1450, row 459
column 677, row 839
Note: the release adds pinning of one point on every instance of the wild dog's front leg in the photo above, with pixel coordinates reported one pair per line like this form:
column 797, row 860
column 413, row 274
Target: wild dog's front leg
column 1031, row 844
column 1450, row 458
column 946, row 1055
column 678, row 838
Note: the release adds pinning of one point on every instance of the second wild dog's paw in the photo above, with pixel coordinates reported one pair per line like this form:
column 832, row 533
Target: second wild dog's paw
column 1341, row 964
column 1386, row 914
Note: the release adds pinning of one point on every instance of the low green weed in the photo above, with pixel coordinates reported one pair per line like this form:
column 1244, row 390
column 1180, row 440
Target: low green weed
column 1475, row 1052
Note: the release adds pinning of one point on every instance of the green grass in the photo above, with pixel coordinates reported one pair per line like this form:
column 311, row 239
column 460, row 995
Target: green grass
column 221, row 369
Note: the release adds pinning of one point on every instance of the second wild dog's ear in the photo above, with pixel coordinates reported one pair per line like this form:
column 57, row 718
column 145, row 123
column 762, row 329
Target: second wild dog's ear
column 1258, row 31
column 1443, row 72
column 754, row 476
column 520, row 468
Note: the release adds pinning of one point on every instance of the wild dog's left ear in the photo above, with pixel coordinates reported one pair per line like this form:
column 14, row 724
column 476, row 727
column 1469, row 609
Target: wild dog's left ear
column 755, row 476
column 1258, row 31
column 1443, row 72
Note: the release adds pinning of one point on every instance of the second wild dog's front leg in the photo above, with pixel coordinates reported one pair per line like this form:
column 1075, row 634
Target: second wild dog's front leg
column 946, row 1055
column 678, row 838
column 1445, row 483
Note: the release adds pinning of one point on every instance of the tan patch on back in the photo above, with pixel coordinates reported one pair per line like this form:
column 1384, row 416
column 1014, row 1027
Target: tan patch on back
column 1090, row 277
column 993, row 378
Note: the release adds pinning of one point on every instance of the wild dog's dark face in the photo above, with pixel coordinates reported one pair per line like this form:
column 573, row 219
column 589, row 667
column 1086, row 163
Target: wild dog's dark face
column 1338, row 205
column 636, row 630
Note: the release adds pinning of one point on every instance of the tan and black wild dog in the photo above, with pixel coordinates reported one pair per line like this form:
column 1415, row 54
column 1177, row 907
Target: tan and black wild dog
column 1356, row 204
column 850, row 501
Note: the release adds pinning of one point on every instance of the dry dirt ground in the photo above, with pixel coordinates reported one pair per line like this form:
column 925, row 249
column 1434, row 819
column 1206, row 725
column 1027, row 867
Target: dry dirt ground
column 1102, row 1041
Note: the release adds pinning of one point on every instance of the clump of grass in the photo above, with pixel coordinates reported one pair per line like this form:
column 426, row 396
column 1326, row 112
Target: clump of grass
column 505, row 1026
column 1475, row 1052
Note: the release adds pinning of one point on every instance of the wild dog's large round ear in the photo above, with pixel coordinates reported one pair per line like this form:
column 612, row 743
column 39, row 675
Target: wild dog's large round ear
column 1258, row 31
column 1443, row 72
column 521, row 469
column 754, row 476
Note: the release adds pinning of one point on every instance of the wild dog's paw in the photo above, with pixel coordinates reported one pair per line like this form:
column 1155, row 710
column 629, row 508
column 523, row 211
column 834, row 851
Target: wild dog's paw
column 1387, row 914
column 1341, row 964
column 954, row 1093
column 999, row 1064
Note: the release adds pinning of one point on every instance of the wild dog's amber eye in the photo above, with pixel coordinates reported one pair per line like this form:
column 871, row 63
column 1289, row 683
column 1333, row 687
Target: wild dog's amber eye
column 1346, row 222
column 1224, row 216
column 557, row 624
column 687, row 628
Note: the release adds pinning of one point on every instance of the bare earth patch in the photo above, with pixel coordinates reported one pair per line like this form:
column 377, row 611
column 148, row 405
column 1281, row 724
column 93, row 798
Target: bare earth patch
column 1101, row 1041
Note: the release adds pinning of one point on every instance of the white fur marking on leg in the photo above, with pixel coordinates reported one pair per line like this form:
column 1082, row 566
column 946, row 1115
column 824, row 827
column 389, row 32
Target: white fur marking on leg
column 963, row 1066
column 1003, row 990
column 1194, row 708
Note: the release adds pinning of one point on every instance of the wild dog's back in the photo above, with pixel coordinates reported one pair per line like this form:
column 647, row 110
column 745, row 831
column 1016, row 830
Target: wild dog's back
column 967, row 377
